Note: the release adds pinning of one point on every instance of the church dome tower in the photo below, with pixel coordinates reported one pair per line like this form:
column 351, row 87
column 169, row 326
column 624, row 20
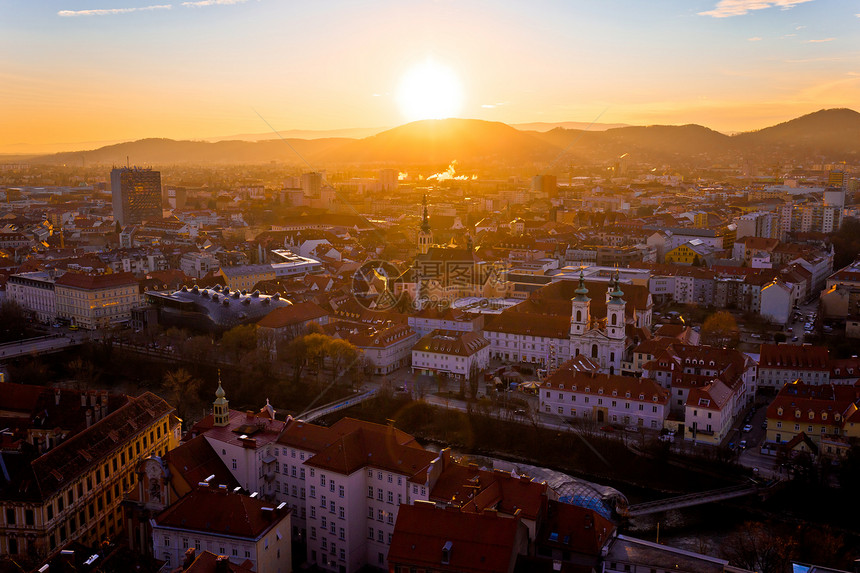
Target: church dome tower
column 615, row 311
column 221, row 407
column 580, row 308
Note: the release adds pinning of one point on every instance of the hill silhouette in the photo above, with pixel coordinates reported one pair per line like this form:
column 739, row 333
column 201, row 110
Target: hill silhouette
column 438, row 141
column 170, row 151
column 832, row 134
column 827, row 131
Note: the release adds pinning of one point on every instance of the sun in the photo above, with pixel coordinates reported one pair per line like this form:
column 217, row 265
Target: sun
column 429, row 91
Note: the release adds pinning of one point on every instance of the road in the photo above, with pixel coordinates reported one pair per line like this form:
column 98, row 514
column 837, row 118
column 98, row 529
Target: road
column 40, row 345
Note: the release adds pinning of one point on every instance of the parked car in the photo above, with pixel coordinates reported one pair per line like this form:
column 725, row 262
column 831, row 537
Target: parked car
column 747, row 428
column 608, row 428
column 743, row 445
column 794, row 339
column 764, row 425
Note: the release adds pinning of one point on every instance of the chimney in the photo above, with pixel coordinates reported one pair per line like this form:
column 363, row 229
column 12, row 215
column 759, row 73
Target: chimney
column 83, row 400
column 89, row 417
column 249, row 415
column 190, row 555
column 57, row 395
column 104, row 400
column 92, row 394
column 222, row 564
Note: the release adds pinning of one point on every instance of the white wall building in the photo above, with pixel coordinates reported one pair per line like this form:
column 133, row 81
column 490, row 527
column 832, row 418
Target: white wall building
column 451, row 353
column 34, row 292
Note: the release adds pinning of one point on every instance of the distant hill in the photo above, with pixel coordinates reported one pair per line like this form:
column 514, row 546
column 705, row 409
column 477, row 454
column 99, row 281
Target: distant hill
column 169, row 152
column 833, row 134
column 547, row 126
column 438, row 141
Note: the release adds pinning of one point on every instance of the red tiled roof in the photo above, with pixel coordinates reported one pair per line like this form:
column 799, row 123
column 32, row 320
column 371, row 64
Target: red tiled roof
column 480, row 542
column 568, row 377
column 576, row 529
column 208, row 562
column 377, row 446
column 195, row 460
column 292, row 314
column 94, row 282
column 796, row 357
column 451, row 342
column 215, row 510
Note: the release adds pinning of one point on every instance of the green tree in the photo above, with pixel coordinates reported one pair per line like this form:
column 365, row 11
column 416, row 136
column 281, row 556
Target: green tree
column 759, row 547
column 239, row 340
column 183, row 390
column 84, row 373
column 720, row 329
column 13, row 321
column 342, row 354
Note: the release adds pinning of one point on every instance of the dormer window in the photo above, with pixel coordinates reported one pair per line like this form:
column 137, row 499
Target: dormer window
column 573, row 387
column 561, row 386
column 588, row 388
column 641, row 396
column 615, row 392
column 823, row 416
column 779, row 412
column 627, row 395
column 811, row 415
column 836, row 417
column 797, row 413
column 600, row 391
column 654, row 398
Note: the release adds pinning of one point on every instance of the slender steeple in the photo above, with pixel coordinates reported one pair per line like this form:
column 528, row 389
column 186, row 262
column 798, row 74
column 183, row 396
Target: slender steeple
column 425, row 219
column 220, row 407
column 425, row 234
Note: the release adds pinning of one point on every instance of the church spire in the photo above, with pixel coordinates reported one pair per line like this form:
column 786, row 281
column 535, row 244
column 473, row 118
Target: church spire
column 425, row 234
column 425, row 219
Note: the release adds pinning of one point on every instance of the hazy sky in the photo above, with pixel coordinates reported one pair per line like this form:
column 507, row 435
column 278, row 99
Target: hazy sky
column 106, row 70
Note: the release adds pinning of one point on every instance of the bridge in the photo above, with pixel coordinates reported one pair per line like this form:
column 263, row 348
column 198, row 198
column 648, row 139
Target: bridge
column 312, row 415
column 37, row 345
column 690, row 500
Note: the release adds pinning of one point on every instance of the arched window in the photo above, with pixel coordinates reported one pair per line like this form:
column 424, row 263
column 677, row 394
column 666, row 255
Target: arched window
column 614, row 319
column 577, row 352
column 594, row 351
column 578, row 316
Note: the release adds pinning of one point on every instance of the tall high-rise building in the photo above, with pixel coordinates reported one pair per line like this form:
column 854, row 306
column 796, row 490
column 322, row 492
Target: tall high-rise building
column 136, row 195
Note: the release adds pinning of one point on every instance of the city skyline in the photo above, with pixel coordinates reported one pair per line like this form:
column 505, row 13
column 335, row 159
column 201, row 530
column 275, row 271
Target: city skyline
column 99, row 72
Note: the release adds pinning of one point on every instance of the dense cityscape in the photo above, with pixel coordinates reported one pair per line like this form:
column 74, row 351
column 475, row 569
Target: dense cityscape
column 454, row 345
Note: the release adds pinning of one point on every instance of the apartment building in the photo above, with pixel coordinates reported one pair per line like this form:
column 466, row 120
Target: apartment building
column 781, row 364
column 246, row 529
column 579, row 393
column 450, row 353
column 827, row 417
column 67, row 487
column 34, row 292
column 96, row 301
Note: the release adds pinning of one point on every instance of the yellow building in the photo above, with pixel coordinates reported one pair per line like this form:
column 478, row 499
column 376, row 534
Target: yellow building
column 96, row 301
column 827, row 414
column 72, row 491
column 246, row 277
column 690, row 253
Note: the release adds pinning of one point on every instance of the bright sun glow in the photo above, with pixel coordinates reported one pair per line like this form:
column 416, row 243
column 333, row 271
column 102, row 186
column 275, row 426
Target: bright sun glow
column 429, row 91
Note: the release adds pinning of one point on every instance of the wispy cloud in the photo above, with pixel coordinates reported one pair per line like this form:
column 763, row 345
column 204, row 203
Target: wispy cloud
column 729, row 8
column 754, row 39
column 199, row 3
column 820, row 41
column 112, row 11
